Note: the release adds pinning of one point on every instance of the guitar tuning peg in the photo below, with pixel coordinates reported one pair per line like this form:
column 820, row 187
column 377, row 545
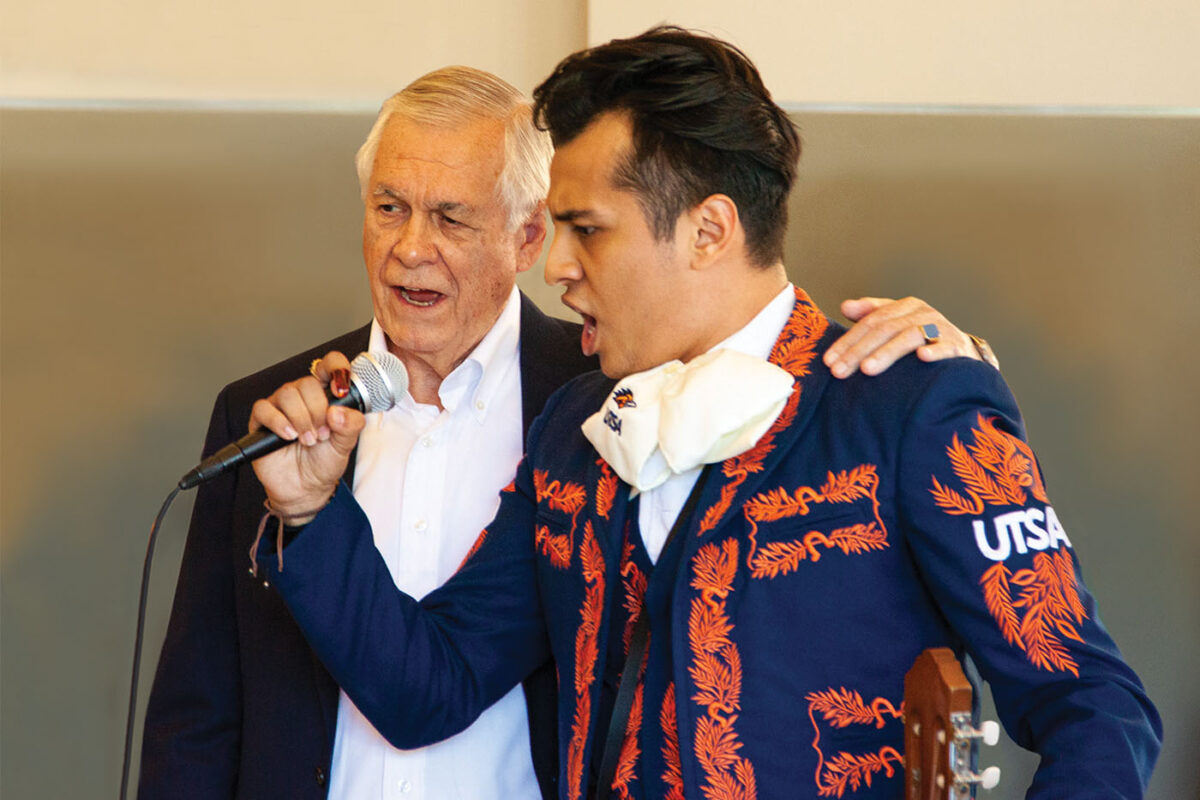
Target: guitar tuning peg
column 989, row 732
column 990, row 777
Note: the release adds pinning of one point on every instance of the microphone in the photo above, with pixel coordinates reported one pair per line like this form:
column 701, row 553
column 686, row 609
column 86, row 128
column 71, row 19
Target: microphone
column 377, row 382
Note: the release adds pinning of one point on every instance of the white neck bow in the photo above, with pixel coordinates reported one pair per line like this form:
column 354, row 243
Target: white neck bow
column 677, row 416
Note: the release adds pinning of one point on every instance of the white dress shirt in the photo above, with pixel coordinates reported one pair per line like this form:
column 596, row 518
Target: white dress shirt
column 661, row 505
column 429, row 481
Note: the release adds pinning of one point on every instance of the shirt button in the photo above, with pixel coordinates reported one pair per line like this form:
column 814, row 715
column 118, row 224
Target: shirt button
column 427, row 442
column 404, row 786
column 420, row 525
column 320, row 775
column 479, row 404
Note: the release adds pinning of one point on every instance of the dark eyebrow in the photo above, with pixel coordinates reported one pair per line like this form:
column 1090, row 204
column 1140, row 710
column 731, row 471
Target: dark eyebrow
column 570, row 215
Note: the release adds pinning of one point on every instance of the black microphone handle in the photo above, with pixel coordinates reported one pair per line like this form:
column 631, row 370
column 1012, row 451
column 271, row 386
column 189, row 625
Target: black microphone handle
column 255, row 445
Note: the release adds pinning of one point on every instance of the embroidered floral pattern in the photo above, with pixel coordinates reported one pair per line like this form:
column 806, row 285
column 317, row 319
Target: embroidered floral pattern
column 716, row 672
column 567, row 497
column 606, row 489
column 673, row 769
column 997, row 470
column 586, row 653
column 634, row 582
column 1049, row 598
column 847, row 486
column 841, row 708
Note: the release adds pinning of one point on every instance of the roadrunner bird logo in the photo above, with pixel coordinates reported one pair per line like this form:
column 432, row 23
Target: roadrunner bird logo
column 624, row 398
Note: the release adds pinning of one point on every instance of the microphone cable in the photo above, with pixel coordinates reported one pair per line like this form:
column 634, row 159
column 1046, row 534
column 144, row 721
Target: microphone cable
column 137, row 640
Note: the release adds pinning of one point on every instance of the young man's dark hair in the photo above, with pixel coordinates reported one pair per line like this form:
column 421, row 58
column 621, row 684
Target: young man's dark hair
column 703, row 124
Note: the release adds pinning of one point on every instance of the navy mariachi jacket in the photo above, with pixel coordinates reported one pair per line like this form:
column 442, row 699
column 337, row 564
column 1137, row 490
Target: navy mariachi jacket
column 876, row 518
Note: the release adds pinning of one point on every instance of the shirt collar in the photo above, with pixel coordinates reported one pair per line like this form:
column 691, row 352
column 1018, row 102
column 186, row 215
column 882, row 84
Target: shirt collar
column 758, row 337
column 477, row 379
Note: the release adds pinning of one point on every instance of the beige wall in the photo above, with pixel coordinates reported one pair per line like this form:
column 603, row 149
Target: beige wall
column 939, row 52
column 292, row 52
column 1017, row 52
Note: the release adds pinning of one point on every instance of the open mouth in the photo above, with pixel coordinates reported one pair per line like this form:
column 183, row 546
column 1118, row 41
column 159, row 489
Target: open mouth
column 419, row 297
column 587, row 340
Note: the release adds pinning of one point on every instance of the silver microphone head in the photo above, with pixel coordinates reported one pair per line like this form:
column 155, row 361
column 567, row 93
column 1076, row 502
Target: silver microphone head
column 380, row 378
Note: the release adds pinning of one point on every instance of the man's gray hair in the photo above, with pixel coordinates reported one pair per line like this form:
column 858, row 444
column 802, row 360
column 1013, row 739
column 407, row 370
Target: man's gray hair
column 457, row 95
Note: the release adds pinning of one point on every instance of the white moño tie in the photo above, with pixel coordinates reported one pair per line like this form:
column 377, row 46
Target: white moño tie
column 677, row 416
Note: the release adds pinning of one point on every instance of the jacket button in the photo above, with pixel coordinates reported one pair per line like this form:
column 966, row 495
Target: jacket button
column 320, row 773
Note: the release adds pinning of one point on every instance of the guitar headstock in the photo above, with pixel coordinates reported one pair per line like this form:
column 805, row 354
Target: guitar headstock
column 939, row 737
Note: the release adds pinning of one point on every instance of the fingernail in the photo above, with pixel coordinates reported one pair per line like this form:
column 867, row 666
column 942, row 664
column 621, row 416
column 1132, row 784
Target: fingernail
column 339, row 382
column 869, row 365
column 337, row 415
column 840, row 370
column 289, row 433
column 309, row 438
column 323, row 432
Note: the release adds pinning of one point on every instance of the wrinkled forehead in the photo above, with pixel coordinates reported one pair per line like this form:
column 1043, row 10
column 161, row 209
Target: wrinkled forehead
column 473, row 150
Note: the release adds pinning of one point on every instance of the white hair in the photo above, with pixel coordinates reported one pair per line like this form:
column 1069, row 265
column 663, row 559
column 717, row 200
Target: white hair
column 456, row 95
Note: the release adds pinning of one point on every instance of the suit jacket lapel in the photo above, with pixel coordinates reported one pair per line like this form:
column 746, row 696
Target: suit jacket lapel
column 803, row 338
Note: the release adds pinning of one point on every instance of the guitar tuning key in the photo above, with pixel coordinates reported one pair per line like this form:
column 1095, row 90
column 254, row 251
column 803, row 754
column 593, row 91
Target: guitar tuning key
column 989, row 732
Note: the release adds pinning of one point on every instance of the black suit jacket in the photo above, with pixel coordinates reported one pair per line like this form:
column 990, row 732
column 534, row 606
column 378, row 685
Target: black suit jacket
column 241, row 707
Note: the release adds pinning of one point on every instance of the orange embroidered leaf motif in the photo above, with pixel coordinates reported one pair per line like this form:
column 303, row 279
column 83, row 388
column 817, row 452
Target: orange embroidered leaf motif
column 718, row 680
column 714, row 568
column 953, row 502
column 556, row 547
column 848, row 486
column 590, row 556
column 1049, row 597
column 997, row 469
column 998, row 599
column 672, row 767
column 512, row 486
column 716, row 670
column 606, row 489
column 846, row 771
column 842, row 707
column 586, row 653
column 626, row 770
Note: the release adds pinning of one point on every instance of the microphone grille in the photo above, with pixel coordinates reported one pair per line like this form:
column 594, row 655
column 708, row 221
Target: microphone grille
column 381, row 380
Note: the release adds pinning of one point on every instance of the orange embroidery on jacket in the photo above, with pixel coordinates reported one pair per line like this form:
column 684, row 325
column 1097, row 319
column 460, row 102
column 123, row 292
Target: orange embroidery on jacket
column 561, row 496
column 996, row 470
column 842, row 708
column 716, row 672
column 606, row 489
column 1050, row 600
column 634, row 582
column 673, row 769
column 794, row 351
column 780, row 558
column 586, row 652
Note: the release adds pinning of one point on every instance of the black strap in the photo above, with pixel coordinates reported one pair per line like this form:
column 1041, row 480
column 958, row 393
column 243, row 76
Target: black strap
column 631, row 671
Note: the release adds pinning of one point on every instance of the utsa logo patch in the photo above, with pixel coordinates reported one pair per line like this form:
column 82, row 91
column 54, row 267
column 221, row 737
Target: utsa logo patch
column 1036, row 607
column 624, row 398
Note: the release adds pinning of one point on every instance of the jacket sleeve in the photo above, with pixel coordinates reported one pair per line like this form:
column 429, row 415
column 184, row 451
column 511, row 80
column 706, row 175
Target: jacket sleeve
column 419, row 671
column 190, row 742
column 1003, row 569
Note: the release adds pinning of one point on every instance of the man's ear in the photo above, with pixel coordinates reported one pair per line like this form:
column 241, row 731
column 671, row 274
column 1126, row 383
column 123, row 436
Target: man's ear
column 531, row 235
column 715, row 228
